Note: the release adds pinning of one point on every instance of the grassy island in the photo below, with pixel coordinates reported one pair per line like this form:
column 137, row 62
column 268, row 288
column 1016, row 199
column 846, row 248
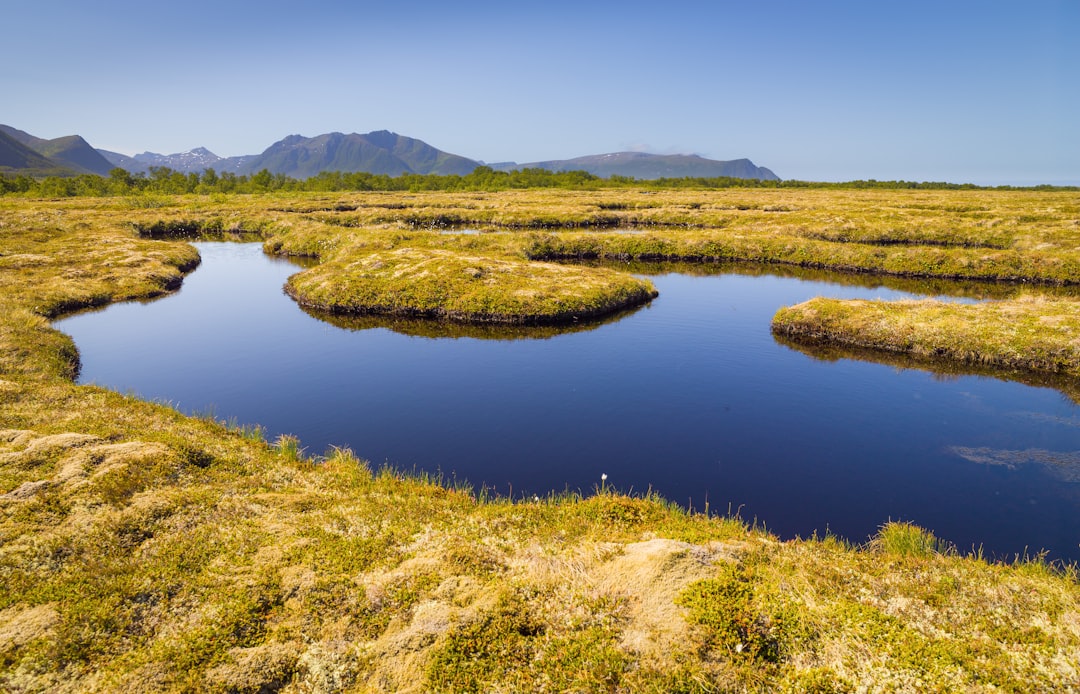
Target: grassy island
column 1032, row 333
column 438, row 283
column 145, row 550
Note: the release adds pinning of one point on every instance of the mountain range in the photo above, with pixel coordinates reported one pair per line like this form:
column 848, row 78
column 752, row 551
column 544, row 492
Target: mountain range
column 378, row 152
column 193, row 161
column 643, row 165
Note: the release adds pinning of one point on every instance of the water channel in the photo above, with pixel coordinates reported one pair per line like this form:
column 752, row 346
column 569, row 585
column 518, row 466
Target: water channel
column 691, row 397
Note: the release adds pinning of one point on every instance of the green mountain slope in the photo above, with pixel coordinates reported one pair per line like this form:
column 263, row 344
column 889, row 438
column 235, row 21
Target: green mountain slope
column 72, row 151
column 22, row 136
column 380, row 152
column 17, row 158
column 76, row 153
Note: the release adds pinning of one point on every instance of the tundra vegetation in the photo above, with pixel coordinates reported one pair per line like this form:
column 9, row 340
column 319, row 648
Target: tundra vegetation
column 145, row 550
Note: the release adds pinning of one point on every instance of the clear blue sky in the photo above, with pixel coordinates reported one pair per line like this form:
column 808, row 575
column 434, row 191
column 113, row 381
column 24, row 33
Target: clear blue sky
column 977, row 91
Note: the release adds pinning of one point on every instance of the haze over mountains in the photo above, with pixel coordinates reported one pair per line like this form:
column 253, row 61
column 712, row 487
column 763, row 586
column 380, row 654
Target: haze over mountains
column 378, row 152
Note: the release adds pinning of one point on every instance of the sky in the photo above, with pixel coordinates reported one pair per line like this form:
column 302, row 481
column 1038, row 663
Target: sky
column 984, row 92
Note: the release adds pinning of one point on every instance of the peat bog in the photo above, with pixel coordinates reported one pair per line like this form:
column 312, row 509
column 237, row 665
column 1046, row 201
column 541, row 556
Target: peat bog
column 690, row 396
column 144, row 549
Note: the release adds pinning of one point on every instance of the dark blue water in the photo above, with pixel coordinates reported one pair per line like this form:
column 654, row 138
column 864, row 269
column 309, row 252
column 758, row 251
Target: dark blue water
column 690, row 396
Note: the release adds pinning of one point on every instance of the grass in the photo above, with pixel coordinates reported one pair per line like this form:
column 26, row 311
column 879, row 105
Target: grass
column 1030, row 333
column 908, row 540
column 144, row 550
column 436, row 283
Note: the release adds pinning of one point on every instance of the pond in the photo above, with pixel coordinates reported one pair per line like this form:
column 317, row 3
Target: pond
column 691, row 397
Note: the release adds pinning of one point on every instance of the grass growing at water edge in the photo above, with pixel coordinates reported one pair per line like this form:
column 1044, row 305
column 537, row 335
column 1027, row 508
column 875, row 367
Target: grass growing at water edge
column 1031, row 333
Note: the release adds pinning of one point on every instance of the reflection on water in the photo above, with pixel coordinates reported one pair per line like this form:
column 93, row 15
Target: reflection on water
column 420, row 327
column 941, row 288
column 939, row 369
column 690, row 396
column 1062, row 464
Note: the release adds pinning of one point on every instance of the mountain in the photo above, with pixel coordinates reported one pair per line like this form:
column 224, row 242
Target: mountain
column 237, row 165
column 646, row 166
column 193, row 161
column 76, row 153
column 123, row 161
column 23, row 137
column 196, row 160
column 17, row 158
column 379, row 152
column 71, row 151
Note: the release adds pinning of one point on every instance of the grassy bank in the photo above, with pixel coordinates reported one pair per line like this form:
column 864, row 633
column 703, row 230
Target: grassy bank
column 1027, row 333
column 710, row 246
column 144, row 550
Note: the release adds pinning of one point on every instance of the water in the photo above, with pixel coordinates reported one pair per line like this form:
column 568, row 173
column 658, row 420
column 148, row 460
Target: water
column 690, row 396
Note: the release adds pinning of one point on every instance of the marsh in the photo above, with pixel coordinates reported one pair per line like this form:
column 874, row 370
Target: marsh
column 691, row 397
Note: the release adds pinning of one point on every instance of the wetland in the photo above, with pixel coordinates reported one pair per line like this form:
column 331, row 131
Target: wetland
column 690, row 397
column 215, row 487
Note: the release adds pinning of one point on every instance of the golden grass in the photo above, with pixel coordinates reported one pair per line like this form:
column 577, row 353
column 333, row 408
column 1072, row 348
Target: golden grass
column 1029, row 332
column 144, row 550
column 437, row 283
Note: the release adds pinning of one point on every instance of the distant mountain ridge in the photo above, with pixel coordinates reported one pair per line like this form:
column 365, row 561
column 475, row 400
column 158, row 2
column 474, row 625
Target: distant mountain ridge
column 193, row 161
column 70, row 152
column 650, row 166
column 377, row 152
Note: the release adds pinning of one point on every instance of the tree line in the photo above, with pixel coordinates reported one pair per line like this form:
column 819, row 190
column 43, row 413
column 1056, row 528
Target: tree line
column 165, row 180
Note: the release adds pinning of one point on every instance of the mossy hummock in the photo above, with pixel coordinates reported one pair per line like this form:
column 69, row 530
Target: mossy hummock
column 441, row 284
column 1031, row 333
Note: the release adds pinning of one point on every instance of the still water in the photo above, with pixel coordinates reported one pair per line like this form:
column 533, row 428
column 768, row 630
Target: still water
column 691, row 397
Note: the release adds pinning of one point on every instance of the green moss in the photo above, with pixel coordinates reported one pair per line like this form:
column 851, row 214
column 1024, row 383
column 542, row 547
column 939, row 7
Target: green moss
column 338, row 554
column 485, row 650
column 588, row 659
column 512, row 646
column 817, row 680
column 730, row 620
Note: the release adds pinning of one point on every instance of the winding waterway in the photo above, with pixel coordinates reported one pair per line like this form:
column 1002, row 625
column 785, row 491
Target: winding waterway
column 691, row 397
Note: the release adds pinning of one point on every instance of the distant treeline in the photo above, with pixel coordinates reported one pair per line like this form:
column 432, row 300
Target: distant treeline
column 483, row 178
